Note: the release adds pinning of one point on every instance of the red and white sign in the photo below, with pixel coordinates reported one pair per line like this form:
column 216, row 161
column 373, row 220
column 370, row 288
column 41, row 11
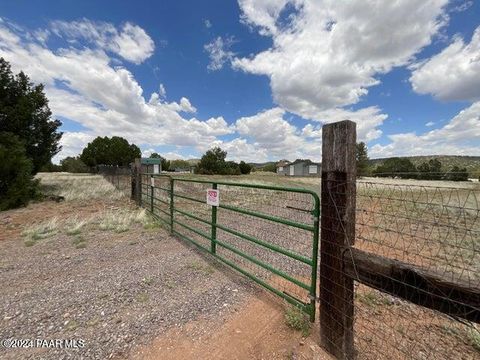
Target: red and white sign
column 213, row 197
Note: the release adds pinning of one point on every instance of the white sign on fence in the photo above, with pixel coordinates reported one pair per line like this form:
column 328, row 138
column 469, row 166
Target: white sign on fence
column 213, row 197
column 152, row 181
column 155, row 169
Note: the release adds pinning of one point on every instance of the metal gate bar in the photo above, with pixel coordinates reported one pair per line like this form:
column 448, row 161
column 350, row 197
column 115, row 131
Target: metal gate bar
column 163, row 196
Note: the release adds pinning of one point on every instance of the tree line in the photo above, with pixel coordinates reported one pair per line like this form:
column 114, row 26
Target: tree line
column 29, row 137
column 404, row 168
column 213, row 163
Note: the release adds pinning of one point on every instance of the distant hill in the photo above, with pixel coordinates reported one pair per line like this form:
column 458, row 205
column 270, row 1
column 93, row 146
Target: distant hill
column 471, row 163
column 261, row 165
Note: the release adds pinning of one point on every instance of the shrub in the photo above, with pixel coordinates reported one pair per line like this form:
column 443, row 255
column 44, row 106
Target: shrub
column 17, row 185
column 297, row 320
column 245, row 168
column 396, row 167
column 457, row 174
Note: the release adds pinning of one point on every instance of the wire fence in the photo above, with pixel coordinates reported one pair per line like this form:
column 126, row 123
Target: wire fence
column 119, row 176
column 417, row 288
column 409, row 266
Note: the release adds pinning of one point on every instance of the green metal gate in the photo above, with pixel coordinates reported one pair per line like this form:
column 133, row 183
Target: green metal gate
column 267, row 233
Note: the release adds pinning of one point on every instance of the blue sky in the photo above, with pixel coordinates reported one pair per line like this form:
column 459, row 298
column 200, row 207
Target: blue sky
column 258, row 78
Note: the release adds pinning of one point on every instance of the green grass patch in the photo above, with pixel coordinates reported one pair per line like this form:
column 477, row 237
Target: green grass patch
column 473, row 338
column 296, row 319
column 34, row 233
column 79, row 242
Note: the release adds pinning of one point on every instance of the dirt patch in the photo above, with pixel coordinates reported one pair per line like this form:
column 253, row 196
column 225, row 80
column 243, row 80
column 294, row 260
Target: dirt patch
column 256, row 331
column 115, row 292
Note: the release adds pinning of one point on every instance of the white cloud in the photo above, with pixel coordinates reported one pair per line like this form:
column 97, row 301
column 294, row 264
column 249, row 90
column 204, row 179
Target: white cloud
column 269, row 133
column 84, row 86
column 208, row 24
column 219, row 52
column 162, row 93
column 131, row 42
column 73, row 144
column 368, row 120
column 329, row 52
column 453, row 74
column 186, row 106
column 429, row 124
column 459, row 137
column 465, row 5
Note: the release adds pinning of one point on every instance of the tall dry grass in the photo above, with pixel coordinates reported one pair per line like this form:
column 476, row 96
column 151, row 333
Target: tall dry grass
column 78, row 186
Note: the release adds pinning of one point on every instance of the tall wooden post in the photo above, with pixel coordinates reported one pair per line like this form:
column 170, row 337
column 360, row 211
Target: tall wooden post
column 337, row 232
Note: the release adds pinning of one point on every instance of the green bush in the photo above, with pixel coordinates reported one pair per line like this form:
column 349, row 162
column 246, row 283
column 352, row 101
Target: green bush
column 245, row 168
column 271, row 167
column 17, row 185
column 74, row 165
column 457, row 174
column 396, row 167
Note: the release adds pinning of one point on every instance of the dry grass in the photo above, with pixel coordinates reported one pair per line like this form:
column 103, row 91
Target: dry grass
column 121, row 220
column 40, row 231
column 118, row 221
column 78, row 186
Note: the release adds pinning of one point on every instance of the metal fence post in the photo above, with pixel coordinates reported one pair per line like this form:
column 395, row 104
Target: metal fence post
column 172, row 186
column 337, row 232
column 213, row 246
column 136, row 182
column 313, row 284
column 152, row 189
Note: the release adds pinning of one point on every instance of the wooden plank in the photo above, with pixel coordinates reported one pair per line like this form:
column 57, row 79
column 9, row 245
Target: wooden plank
column 337, row 231
column 457, row 298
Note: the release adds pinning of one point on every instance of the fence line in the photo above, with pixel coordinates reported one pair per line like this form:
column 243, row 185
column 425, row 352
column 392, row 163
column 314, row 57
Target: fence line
column 399, row 273
column 413, row 253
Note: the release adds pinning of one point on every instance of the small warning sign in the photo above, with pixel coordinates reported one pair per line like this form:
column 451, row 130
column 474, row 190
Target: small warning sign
column 213, row 197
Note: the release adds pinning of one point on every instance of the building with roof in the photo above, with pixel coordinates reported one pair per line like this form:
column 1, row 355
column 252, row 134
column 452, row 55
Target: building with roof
column 300, row 167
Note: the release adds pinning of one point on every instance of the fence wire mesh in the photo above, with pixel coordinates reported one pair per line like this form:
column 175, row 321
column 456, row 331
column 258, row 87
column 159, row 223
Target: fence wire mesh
column 118, row 176
column 419, row 282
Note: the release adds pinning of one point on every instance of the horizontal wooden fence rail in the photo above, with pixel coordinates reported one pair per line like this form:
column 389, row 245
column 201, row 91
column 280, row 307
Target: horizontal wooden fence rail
column 455, row 298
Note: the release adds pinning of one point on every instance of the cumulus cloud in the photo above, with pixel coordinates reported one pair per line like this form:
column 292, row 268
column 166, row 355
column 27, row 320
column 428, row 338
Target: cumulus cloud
column 453, row 74
column 326, row 54
column 270, row 133
column 459, row 137
column 130, row 42
column 84, row 86
column 72, row 144
column 219, row 52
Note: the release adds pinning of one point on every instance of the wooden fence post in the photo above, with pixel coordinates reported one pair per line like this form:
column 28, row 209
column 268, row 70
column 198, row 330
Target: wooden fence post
column 337, row 232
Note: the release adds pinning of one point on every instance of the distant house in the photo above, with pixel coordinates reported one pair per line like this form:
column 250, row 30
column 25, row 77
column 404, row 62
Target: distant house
column 282, row 167
column 299, row 167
